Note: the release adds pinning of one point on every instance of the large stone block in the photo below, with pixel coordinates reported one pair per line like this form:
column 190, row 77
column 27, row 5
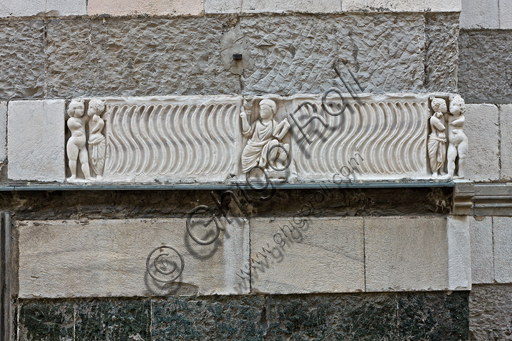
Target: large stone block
column 482, row 268
column 137, row 57
column 502, row 238
column 442, row 51
column 324, row 255
column 489, row 312
column 152, row 7
column 401, row 6
column 36, row 140
column 505, row 14
column 22, row 8
column 23, row 58
column 480, row 14
column 416, row 253
column 99, row 258
column 482, row 129
column 485, row 71
column 67, row 7
column 296, row 53
column 304, row 6
column 506, row 141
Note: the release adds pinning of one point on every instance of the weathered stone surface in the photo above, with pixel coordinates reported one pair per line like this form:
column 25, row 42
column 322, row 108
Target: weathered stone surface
column 22, row 8
column 111, row 320
column 481, row 126
column 489, row 312
column 209, row 318
column 151, row 7
column 506, row 141
column 480, row 14
column 66, row 7
column 22, row 54
column 304, row 6
column 433, row 316
column 406, row 253
column 98, row 258
column 401, row 6
column 505, row 14
column 137, row 56
column 502, row 237
column 222, row 6
column 285, row 203
column 295, row 54
column 384, row 316
column 482, row 269
column 304, row 255
column 46, row 321
column 485, row 71
column 36, row 140
column 442, row 51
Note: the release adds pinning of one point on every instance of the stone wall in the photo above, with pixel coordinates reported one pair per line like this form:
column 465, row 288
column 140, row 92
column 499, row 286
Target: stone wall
column 393, row 260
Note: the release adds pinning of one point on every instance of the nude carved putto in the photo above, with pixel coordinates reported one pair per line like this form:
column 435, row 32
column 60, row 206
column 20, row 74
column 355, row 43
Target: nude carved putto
column 76, row 146
column 437, row 137
column 89, row 150
column 457, row 140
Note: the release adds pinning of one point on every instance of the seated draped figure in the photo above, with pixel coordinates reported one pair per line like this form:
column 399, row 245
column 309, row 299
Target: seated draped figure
column 264, row 146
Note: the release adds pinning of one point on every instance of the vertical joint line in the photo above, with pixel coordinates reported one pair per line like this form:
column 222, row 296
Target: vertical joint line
column 364, row 254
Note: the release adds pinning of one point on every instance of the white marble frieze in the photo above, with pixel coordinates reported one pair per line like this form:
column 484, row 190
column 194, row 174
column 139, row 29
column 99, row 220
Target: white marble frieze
column 332, row 137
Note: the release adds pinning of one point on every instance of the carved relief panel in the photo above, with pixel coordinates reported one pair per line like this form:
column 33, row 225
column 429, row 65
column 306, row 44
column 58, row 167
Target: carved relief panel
column 302, row 138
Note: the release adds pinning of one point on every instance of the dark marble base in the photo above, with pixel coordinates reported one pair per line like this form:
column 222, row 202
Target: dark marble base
column 405, row 316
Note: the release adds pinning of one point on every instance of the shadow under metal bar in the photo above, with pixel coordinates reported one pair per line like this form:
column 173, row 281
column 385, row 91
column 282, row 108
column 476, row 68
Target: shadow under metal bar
column 6, row 310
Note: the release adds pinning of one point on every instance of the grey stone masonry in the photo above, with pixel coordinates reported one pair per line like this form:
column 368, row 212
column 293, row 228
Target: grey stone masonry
column 129, row 56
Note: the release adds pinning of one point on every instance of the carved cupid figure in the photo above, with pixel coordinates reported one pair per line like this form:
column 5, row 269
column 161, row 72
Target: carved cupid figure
column 263, row 147
column 457, row 140
column 437, row 138
column 76, row 149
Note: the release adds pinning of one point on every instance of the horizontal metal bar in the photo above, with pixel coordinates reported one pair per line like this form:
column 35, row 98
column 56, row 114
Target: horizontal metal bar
column 189, row 187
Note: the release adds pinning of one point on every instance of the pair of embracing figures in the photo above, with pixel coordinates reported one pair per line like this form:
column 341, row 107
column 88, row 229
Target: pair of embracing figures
column 77, row 144
column 457, row 140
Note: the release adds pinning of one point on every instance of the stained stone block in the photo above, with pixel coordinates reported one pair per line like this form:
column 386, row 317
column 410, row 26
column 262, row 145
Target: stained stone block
column 482, row 129
column 480, row 14
column 416, row 253
column 22, row 8
column 482, row 269
column 401, row 6
column 137, row 57
column 23, row 59
column 433, row 316
column 485, row 71
column 99, row 258
column 36, row 140
column 151, row 7
column 307, row 255
column 113, row 320
column 506, row 141
column 489, row 312
column 46, row 321
column 298, row 53
column 222, row 6
column 209, row 318
column 502, row 238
